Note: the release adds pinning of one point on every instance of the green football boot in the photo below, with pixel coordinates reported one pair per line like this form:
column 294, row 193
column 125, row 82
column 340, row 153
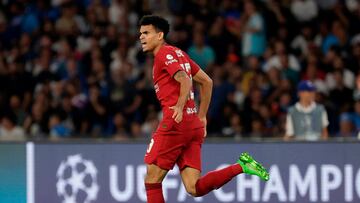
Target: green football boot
column 252, row 167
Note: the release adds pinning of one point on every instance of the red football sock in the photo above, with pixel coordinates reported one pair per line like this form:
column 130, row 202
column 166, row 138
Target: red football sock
column 216, row 179
column 154, row 193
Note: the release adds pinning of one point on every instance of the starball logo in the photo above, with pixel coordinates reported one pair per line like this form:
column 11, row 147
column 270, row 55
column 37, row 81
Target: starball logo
column 77, row 180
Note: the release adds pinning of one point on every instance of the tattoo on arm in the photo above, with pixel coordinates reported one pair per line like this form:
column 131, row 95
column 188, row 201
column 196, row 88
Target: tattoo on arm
column 180, row 75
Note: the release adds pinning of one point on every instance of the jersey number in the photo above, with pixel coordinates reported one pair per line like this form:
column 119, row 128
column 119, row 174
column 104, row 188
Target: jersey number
column 187, row 68
column 150, row 146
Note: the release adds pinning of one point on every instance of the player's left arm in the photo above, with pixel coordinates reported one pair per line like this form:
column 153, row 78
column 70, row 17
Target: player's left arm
column 185, row 86
column 206, row 85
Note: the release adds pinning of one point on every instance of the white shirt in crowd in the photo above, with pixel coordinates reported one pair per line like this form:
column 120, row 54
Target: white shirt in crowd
column 15, row 134
column 274, row 61
column 289, row 126
column 304, row 10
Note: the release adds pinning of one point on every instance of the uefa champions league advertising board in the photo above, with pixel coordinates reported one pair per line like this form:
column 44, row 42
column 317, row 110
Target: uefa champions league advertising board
column 12, row 173
column 98, row 173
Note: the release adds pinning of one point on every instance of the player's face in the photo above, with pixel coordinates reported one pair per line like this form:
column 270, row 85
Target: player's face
column 149, row 38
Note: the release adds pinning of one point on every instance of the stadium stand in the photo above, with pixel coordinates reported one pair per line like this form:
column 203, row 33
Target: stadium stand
column 75, row 68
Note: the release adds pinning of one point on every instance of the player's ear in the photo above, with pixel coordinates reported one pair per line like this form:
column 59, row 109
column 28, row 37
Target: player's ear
column 160, row 35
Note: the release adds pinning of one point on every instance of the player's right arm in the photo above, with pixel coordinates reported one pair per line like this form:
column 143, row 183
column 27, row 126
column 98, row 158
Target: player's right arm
column 185, row 86
column 206, row 85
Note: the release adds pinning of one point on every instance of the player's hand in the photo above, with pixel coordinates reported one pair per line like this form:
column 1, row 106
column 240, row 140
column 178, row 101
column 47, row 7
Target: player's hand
column 203, row 120
column 178, row 113
column 205, row 132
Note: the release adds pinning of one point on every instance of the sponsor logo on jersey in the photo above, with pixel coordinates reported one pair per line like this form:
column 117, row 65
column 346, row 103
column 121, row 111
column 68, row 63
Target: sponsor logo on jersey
column 179, row 53
column 170, row 60
column 169, row 56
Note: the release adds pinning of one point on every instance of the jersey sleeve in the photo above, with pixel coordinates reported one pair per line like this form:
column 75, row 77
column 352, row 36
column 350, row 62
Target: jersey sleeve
column 194, row 67
column 168, row 60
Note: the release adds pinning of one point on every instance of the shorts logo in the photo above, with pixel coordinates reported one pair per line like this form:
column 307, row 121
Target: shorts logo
column 77, row 179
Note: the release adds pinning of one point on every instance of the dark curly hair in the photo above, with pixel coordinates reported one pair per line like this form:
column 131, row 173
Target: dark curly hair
column 160, row 24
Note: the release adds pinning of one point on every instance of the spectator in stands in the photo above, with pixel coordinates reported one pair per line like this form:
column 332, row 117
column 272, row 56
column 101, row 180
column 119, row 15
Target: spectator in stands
column 337, row 37
column 356, row 117
column 57, row 129
column 314, row 71
column 9, row 130
column 281, row 52
column 257, row 127
column 252, row 69
column 354, row 58
column 351, row 121
column 96, row 111
column 68, row 115
column 341, row 96
column 36, row 123
column 119, row 123
column 66, row 24
column 222, row 88
column 135, row 130
column 348, row 77
column 347, row 128
column 252, row 106
column 234, row 127
column 200, row 52
column 16, row 106
column 151, row 123
column 253, row 31
column 220, row 38
column 304, row 10
column 287, row 71
column 238, row 96
column 356, row 93
column 303, row 41
column 269, row 123
column 306, row 120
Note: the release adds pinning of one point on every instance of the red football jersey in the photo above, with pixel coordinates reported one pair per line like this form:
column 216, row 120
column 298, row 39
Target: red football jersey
column 167, row 62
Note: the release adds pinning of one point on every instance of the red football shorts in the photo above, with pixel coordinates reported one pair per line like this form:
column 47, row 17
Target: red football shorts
column 171, row 145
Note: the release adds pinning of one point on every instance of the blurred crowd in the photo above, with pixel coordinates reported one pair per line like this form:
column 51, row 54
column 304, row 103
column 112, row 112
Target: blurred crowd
column 76, row 69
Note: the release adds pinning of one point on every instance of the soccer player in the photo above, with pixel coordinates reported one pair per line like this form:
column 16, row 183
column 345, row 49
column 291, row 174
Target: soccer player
column 181, row 132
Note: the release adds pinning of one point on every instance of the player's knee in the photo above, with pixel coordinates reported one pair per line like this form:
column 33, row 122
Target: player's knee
column 152, row 177
column 191, row 189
